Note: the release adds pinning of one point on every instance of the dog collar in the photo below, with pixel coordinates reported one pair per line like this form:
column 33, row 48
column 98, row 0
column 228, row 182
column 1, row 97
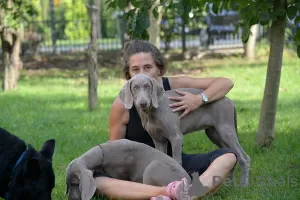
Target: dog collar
column 18, row 162
column 12, row 172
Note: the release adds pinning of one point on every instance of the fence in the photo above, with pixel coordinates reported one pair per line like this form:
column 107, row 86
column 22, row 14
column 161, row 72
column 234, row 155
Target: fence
column 68, row 36
column 73, row 36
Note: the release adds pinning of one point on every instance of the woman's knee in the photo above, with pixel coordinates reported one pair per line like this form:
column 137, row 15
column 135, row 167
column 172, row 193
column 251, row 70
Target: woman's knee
column 102, row 183
column 230, row 153
column 230, row 159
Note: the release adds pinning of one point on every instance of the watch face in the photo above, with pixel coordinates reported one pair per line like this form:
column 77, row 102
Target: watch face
column 204, row 98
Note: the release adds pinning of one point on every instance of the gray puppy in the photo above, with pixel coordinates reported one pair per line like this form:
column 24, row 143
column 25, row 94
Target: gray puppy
column 121, row 159
column 218, row 118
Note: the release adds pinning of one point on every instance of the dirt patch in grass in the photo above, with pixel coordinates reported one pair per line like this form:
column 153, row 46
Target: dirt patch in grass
column 110, row 63
column 73, row 61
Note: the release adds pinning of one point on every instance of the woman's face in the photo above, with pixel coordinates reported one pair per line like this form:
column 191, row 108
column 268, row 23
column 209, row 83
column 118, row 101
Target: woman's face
column 143, row 63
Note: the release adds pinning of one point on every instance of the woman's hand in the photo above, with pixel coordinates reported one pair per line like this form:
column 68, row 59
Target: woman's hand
column 187, row 102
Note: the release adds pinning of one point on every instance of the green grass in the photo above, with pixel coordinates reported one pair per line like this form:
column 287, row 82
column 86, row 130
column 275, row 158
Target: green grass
column 54, row 105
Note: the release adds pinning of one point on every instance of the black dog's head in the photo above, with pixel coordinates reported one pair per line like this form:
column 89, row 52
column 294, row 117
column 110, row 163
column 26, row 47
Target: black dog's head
column 34, row 177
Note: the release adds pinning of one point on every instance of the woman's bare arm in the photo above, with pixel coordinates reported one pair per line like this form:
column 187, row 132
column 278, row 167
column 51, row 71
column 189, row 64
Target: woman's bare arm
column 214, row 89
column 118, row 120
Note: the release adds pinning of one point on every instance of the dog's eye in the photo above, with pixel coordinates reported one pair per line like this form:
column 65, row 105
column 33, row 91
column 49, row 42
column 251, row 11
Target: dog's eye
column 147, row 86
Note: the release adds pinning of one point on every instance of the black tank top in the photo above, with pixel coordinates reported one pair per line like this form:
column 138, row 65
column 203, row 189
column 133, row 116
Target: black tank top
column 135, row 130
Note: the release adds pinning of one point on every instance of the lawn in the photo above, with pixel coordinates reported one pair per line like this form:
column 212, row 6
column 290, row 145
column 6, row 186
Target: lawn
column 53, row 104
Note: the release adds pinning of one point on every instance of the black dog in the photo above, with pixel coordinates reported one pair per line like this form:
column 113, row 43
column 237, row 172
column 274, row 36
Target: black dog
column 25, row 174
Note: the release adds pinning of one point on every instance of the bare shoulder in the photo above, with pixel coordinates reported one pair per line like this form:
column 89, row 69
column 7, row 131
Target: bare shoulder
column 119, row 112
column 118, row 120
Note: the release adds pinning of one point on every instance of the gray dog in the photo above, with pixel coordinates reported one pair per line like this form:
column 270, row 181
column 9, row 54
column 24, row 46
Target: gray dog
column 217, row 118
column 121, row 159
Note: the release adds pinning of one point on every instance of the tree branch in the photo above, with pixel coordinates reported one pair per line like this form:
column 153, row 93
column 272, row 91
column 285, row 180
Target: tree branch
column 9, row 30
column 92, row 7
column 2, row 27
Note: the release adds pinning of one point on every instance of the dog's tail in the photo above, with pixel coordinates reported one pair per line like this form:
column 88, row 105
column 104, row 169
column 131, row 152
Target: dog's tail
column 235, row 122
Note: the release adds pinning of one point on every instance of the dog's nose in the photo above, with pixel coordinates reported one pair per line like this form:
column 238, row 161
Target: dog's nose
column 143, row 104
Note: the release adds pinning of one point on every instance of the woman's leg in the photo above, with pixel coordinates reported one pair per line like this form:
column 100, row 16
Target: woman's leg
column 213, row 164
column 119, row 189
column 213, row 167
column 217, row 172
column 116, row 189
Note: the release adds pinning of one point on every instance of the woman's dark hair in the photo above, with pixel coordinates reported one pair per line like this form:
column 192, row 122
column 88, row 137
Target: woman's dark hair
column 138, row 46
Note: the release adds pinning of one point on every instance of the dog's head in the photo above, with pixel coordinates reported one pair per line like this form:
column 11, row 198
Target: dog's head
column 80, row 182
column 34, row 177
column 142, row 90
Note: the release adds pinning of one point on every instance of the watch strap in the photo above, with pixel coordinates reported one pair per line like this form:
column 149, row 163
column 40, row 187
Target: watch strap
column 204, row 98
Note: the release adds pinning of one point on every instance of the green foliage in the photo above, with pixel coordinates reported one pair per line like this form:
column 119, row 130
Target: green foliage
column 76, row 10
column 172, row 21
column 41, row 15
column 108, row 26
column 17, row 10
column 252, row 12
column 72, row 22
column 167, row 28
column 264, row 13
column 297, row 39
column 138, row 18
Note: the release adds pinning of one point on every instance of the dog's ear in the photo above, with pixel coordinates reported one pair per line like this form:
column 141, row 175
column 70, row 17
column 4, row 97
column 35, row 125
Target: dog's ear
column 125, row 95
column 67, row 189
column 32, row 169
column 72, row 191
column 48, row 149
column 68, row 177
column 87, row 185
column 157, row 92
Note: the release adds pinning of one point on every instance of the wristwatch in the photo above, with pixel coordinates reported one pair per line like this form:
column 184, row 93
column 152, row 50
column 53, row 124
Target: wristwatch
column 204, row 98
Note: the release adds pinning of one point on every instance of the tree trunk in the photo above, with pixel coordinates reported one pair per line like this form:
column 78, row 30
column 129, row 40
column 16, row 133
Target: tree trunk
column 92, row 61
column 249, row 47
column 154, row 29
column 183, row 38
column 11, row 44
column 265, row 134
column 97, row 5
column 121, row 30
column 52, row 25
column 126, row 37
column 98, row 20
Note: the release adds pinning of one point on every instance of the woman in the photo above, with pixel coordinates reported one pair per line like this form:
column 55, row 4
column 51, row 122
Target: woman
column 143, row 57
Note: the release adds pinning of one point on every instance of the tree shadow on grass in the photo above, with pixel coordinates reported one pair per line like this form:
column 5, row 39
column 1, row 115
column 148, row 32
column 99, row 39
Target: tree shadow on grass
column 50, row 102
column 66, row 118
column 254, row 106
column 60, row 110
column 280, row 162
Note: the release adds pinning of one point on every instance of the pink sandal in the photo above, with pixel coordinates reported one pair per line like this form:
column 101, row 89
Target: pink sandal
column 178, row 190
